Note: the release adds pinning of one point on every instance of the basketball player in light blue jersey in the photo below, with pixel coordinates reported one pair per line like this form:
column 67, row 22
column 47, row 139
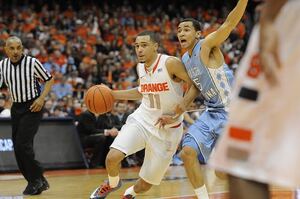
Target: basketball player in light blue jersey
column 212, row 79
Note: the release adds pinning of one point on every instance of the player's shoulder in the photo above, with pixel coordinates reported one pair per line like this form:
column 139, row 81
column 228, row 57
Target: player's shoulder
column 171, row 60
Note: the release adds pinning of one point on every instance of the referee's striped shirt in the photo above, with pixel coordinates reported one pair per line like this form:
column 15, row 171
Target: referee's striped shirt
column 22, row 78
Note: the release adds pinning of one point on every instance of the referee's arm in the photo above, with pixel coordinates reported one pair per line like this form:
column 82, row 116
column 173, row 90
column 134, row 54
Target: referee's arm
column 41, row 73
column 1, row 79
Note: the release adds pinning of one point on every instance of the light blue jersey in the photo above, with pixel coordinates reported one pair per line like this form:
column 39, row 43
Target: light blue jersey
column 214, row 84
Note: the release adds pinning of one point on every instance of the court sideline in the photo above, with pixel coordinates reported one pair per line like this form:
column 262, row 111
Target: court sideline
column 78, row 184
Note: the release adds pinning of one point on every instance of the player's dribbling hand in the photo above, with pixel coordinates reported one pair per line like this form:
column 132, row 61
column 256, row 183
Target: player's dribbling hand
column 170, row 119
column 37, row 105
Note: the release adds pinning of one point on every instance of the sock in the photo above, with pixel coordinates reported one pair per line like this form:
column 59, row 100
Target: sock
column 201, row 192
column 113, row 181
column 297, row 193
column 130, row 191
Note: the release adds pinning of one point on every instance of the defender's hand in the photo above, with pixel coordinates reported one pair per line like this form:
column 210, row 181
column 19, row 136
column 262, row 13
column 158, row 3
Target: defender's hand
column 166, row 119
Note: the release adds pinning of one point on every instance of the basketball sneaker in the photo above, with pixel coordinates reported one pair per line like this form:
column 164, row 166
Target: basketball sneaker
column 103, row 190
column 45, row 185
column 128, row 196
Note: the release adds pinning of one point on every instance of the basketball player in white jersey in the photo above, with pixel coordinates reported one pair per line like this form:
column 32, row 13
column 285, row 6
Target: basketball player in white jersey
column 205, row 65
column 261, row 141
column 160, row 88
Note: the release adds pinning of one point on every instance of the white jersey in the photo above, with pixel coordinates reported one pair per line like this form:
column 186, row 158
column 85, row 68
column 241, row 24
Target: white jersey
column 160, row 95
column 261, row 141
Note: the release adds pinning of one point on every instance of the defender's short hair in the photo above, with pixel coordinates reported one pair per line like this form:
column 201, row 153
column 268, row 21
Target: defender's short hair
column 196, row 24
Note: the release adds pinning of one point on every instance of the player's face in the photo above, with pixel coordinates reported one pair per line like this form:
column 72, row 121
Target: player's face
column 14, row 50
column 145, row 49
column 187, row 35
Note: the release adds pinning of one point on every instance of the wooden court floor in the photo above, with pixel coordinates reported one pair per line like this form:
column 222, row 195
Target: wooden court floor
column 78, row 184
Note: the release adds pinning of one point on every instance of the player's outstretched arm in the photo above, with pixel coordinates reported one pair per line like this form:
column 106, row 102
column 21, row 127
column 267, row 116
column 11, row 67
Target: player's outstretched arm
column 130, row 94
column 216, row 38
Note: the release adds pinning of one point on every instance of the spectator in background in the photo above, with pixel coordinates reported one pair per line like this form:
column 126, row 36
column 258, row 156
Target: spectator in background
column 62, row 88
column 58, row 112
column 4, row 111
column 69, row 67
column 65, row 44
column 121, row 111
column 78, row 92
column 97, row 132
column 48, row 108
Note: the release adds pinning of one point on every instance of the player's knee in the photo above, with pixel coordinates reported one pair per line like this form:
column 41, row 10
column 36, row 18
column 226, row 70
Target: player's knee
column 114, row 156
column 188, row 153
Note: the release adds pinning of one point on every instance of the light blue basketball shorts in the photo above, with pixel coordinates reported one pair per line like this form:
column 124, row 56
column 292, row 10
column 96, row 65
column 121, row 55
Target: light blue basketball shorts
column 203, row 134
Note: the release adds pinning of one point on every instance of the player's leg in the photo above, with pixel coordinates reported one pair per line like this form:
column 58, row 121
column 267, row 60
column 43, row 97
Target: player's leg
column 140, row 186
column 113, row 166
column 189, row 155
column 197, row 146
column 129, row 140
column 246, row 189
column 158, row 156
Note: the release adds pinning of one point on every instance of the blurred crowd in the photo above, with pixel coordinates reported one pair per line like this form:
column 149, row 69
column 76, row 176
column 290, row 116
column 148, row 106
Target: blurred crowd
column 83, row 43
column 93, row 43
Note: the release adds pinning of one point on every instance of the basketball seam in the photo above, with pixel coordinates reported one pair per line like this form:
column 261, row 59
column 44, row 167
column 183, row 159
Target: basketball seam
column 87, row 101
column 103, row 98
column 94, row 101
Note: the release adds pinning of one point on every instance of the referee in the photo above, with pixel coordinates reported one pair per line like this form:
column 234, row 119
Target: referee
column 22, row 74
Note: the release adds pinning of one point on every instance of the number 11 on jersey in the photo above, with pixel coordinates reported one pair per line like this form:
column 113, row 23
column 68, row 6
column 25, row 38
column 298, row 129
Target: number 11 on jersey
column 154, row 101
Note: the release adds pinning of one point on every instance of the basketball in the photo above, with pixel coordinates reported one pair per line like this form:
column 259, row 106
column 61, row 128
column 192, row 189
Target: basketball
column 99, row 99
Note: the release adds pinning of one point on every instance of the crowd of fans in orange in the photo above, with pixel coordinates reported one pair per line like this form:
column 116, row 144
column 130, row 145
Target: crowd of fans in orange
column 93, row 44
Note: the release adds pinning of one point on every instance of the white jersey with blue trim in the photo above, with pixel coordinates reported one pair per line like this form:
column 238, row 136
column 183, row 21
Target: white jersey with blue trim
column 214, row 84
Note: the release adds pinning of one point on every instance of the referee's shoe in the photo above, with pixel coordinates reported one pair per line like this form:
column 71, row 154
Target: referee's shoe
column 36, row 187
column 45, row 185
column 33, row 188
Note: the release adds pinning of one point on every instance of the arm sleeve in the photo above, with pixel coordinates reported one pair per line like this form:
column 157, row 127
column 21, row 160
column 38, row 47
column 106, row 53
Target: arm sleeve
column 40, row 72
column 1, row 75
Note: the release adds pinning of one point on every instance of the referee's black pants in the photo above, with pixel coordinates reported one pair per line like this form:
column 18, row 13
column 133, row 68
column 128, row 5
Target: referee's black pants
column 25, row 125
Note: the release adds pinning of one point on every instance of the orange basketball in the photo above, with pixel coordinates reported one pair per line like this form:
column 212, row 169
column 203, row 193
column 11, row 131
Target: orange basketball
column 99, row 99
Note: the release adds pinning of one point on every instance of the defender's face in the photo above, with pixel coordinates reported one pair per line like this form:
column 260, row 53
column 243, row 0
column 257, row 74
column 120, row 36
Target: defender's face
column 187, row 35
column 14, row 50
column 145, row 48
